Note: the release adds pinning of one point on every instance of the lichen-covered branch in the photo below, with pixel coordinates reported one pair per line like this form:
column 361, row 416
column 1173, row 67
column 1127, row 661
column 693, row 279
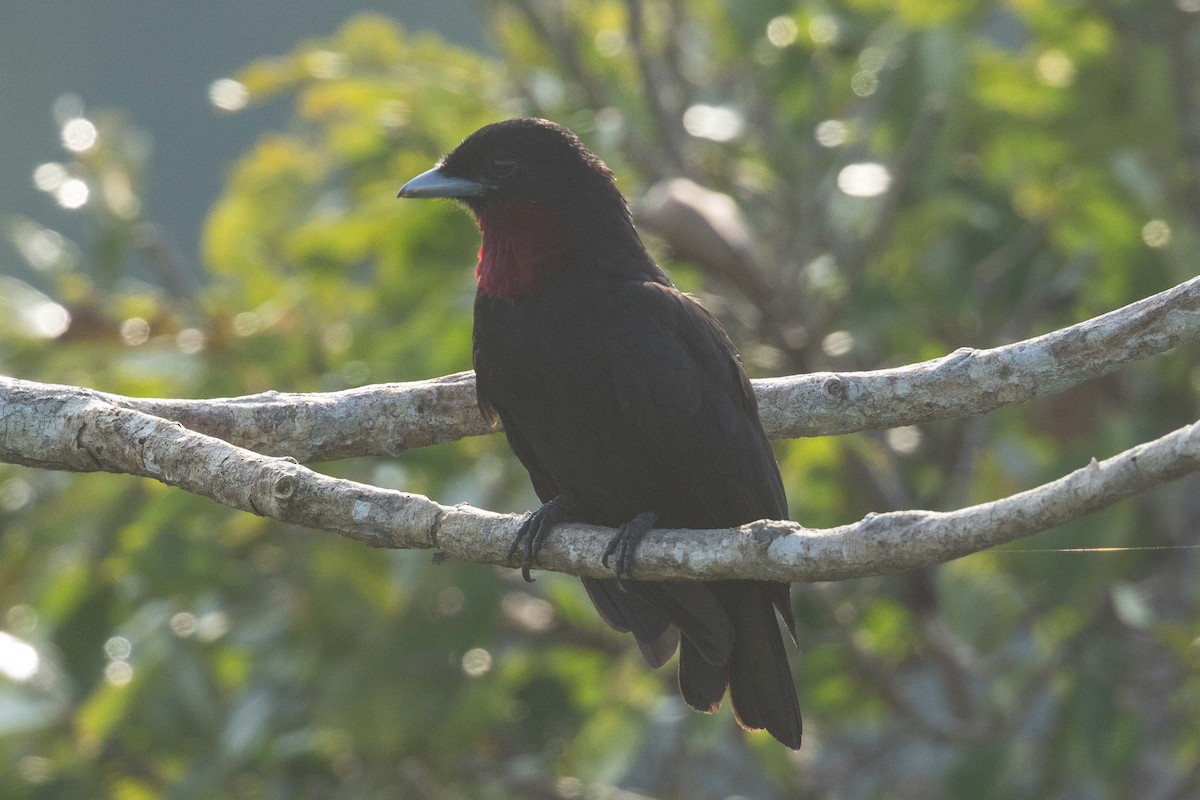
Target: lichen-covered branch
column 387, row 419
column 381, row 419
column 974, row 381
column 60, row 428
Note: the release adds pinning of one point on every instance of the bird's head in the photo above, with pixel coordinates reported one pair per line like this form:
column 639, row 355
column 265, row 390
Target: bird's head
column 539, row 196
column 518, row 160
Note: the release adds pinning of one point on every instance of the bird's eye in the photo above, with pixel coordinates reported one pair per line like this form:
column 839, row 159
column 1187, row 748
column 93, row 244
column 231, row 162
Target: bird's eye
column 502, row 166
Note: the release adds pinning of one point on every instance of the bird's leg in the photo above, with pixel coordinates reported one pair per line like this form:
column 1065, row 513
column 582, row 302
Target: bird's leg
column 535, row 527
column 625, row 543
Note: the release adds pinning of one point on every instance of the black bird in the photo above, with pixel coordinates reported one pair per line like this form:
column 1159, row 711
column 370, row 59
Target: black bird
column 625, row 401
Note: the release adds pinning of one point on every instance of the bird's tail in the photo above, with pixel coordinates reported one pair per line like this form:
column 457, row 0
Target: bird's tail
column 757, row 674
column 730, row 640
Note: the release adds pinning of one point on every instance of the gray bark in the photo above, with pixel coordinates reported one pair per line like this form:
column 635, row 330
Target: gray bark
column 69, row 428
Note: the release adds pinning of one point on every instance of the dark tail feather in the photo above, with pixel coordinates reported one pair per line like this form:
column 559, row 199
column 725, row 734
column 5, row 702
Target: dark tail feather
column 695, row 610
column 760, row 681
column 781, row 598
column 659, row 651
column 657, row 638
column 702, row 684
column 652, row 610
column 754, row 667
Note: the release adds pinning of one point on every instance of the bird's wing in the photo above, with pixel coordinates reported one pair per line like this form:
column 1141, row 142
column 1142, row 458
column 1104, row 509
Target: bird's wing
column 543, row 484
column 681, row 388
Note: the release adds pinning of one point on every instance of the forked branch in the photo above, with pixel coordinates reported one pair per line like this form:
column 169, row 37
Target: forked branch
column 67, row 428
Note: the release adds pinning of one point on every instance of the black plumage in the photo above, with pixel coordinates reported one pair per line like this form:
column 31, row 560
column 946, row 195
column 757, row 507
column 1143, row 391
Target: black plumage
column 621, row 396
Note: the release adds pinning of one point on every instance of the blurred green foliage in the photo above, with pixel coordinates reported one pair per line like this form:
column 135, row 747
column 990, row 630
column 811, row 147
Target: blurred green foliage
column 1044, row 166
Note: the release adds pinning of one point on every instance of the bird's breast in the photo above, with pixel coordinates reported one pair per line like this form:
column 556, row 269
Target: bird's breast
column 524, row 244
column 544, row 348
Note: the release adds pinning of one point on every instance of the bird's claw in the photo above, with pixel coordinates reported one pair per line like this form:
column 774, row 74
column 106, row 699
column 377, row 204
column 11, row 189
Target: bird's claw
column 535, row 527
column 625, row 543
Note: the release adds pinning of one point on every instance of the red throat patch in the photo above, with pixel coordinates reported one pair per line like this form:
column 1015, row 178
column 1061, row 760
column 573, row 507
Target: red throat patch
column 523, row 244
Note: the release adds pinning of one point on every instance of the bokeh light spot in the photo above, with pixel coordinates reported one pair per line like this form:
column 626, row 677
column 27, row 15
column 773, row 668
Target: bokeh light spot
column 48, row 320
column 716, row 123
column 831, row 133
column 19, row 659
column 866, row 179
column 1156, row 233
column 782, row 31
column 22, row 619
column 118, row 648
column 49, row 176
column 118, row 673
column 212, row 626
column 1055, row 68
column 527, row 612
column 190, row 341
column 72, row 193
column 228, row 94
column 79, row 135
column 15, row 494
column 42, row 247
column 247, row 323
column 872, row 59
column 476, row 662
column 183, row 624
column 864, row 83
column 838, row 343
column 904, row 440
column 823, row 29
column 135, row 331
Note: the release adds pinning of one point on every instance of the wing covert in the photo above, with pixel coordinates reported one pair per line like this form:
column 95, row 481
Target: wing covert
column 680, row 386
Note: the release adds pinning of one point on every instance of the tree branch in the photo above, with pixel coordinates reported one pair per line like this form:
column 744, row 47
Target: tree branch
column 387, row 419
column 379, row 420
column 60, row 428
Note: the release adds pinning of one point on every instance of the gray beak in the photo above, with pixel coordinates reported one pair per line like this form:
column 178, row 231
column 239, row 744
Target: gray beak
column 434, row 184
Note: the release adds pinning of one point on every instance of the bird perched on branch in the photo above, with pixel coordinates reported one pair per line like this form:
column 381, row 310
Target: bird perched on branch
column 625, row 401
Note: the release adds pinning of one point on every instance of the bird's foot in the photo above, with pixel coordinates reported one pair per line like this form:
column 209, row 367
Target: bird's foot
column 534, row 529
column 625, row 543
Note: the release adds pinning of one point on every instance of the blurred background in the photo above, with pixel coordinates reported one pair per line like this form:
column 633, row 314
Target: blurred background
column 201, row 202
